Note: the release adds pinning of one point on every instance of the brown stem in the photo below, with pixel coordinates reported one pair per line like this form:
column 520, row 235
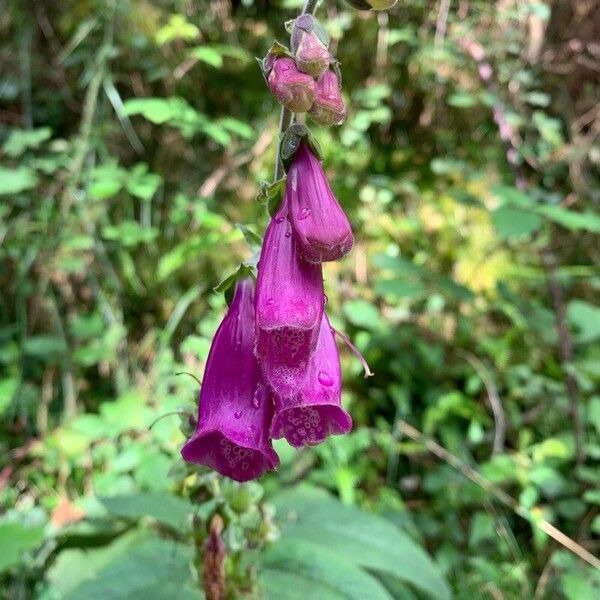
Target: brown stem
column 213, row 564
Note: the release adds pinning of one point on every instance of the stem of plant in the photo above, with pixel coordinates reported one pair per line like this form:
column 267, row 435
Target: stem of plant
column 286, row 118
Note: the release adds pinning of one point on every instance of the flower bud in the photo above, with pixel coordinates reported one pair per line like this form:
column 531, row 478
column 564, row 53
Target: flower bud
column 289, row 307
column 321, row 228
column 309, row 43
column 315, row 410
column 328, row 108
column 232, row 433
column 290, row 87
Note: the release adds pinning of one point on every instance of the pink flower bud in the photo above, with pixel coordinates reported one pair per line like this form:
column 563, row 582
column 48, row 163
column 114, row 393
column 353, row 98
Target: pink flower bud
column 328, row 108
column 232, row 434
column 321, row 228
column 290, row 87
column 312, row 56
column 289, row 307
column 315, row 410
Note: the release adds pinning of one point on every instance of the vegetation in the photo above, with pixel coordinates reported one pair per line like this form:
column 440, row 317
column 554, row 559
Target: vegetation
column 134, row 137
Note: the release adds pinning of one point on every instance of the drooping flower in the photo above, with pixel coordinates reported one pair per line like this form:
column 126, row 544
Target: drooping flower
column 290, row 87
column 289, row 306
column 320, row 226
column 232, row 433
column 315, row 410
column 328, row 107
column 309, row 44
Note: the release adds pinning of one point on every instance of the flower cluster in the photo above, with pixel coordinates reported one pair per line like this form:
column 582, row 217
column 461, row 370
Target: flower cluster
column 273, row 370
column 306, row 77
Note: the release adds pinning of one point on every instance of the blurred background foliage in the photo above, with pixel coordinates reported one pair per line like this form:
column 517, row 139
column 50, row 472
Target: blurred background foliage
column 134, row 136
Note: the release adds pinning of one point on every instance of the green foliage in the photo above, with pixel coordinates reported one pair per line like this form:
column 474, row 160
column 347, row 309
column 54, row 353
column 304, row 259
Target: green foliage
column 135, row 137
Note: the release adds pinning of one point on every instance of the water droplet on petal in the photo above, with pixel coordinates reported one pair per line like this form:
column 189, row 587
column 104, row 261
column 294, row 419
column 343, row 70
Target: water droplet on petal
column 325, row 299
column 325, row 379
column 257, row 398
column 304, row 213
column 270, row 301
column 288, row 234
column 279, row 219
column 238, row 413
column 293, row 175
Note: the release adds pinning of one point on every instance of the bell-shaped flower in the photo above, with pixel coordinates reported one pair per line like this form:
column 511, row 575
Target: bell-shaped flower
column 236, row 407
column 315, row 410
column 289, row 306
column 290, row 87
column 328, row 107
column 321, row 227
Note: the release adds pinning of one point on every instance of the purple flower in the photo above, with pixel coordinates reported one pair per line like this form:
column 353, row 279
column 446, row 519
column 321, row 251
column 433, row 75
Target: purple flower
column 315, row 410
column 290, row 87
column 289, row 306
column 328, row 108
column 232, row 434
column 309, row 45
column 321, row 228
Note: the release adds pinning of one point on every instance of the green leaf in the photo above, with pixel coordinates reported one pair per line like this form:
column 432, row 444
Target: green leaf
column 8, row 387
column 281, row 585
column 44, row 346
column 513, row 223
column 462, row 100
column 137, row 566
column 209, row 55
column 13, row 181
column 130, row 233
column 21, row 140
column 575, row 221
column 358, row 537
column 142, row 184
column 362, row 314
column 18, row 535
column 324, row 566
column 585, row 318
column 237, row 127
column 164, row 508
column 106, row 181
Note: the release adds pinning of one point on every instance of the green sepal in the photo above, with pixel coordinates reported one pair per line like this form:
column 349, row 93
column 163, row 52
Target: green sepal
column 274, row 203
column 252, row 239
column 268, row 190
column 227, row 285
column 290, row 143
column 276, row 50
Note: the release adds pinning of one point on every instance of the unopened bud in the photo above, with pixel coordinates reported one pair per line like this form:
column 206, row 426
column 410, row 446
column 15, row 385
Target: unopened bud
column 290, row 87
column 309, row 42
column 328, row 108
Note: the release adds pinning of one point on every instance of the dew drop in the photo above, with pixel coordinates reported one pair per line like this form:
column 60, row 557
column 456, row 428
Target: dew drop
column 279, row 219
column 270, row 301
column 288, row 234
column 293, row 175
column 325, row 379
column 325, row 299
column 304, row 213
column 238, row 413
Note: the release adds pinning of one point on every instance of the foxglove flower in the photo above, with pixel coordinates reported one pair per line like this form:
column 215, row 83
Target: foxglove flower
column 289, row 306
column 315, row 410
column 321, row 228
column 232, row 434
column 328, row 108
column 309, row 44
column 290, row 87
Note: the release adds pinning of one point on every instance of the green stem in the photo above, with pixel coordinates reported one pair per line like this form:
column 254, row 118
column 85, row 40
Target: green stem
column 286, row 117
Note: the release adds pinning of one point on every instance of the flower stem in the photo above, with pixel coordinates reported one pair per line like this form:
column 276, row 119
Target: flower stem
column 286, row 118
